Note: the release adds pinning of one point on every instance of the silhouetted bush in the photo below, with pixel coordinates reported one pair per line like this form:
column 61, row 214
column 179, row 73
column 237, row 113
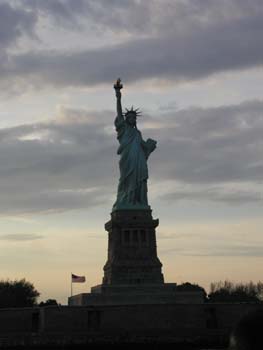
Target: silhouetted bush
column 230, row 292
column 189, row 287
column 48, row 302
column 17, row 293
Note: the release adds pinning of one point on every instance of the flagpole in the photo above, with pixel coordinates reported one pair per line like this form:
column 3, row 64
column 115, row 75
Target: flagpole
column 71, row 282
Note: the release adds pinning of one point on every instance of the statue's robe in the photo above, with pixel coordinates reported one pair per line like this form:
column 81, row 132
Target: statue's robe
column 133, row 151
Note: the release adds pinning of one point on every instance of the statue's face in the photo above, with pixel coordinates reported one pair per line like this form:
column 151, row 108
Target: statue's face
column 131, row 119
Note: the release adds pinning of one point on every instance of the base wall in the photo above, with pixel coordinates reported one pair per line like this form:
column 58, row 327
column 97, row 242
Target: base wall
column 211, row 323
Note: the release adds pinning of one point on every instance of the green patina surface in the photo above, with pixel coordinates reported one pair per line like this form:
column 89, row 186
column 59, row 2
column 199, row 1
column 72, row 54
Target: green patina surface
column 134, row 153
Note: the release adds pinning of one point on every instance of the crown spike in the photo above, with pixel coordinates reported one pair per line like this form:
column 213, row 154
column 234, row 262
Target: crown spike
column 135, row 111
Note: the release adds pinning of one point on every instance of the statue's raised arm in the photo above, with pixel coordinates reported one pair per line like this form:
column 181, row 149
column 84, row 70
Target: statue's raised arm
column 118, row 86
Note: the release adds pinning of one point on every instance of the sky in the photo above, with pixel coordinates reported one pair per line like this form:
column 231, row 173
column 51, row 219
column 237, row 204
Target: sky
column 194, row 68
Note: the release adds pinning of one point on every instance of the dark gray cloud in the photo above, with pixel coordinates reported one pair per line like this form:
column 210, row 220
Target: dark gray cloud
column 99, row 15
column 145, row 17
column 179, row 57
column 180, row 40
column 53, row 166
column 211, row 154
column 212, row 145
column 20, row 237
column 14, row 22
column 66, row 13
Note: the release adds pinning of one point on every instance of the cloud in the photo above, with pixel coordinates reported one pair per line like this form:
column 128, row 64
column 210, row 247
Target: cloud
column 179, row 57
column 212, row 145
column 180, row 41
column 69, row 163
column 97, row 15
column 55, row 166
column 231, row 250
column 14, row 22
column 63, row 12
column 20, row 237
column 230, row 193
column 230, row 239
column 163, row 16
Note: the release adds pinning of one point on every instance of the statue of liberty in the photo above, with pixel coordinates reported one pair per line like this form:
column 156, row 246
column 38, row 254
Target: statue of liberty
column 134, row 152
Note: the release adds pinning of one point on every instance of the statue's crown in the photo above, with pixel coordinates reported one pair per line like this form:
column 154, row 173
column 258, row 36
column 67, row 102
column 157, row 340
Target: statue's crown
column 136, row 112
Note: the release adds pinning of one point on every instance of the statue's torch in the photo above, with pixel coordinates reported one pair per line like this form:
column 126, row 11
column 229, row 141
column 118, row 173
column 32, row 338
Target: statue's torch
column 118, row 85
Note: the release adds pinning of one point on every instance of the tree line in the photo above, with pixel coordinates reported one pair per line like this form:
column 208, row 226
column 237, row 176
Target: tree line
column 21, row 293
column 228, row 292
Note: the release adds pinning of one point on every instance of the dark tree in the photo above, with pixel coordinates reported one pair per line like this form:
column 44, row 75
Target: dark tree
column 189, row 287
column 48, row 302
column 17, row 293
column 229, row 292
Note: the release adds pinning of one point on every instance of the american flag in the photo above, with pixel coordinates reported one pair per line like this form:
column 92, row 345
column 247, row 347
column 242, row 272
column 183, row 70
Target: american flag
column 77, row 279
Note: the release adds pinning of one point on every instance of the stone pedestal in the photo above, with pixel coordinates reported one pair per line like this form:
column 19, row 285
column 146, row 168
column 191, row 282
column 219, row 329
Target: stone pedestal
column 133, row 271
column 132, row 254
